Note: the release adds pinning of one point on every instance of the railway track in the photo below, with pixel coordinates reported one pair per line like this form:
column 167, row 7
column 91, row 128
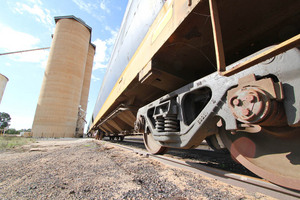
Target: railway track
column 211, row 164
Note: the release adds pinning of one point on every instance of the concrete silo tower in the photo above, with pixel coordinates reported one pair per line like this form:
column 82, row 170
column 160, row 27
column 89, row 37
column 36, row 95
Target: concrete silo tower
column 3, row 81
column 57, row 109
column 85, row 90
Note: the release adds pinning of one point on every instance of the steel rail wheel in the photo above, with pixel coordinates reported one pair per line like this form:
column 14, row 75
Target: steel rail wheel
column 212, row 142
column 153, row 146
column 273, row 153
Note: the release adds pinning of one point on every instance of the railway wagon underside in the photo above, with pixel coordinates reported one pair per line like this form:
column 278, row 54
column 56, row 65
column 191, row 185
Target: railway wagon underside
column 181, row 97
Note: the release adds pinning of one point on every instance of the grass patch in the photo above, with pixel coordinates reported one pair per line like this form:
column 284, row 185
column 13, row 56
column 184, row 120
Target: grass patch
column 9, row 142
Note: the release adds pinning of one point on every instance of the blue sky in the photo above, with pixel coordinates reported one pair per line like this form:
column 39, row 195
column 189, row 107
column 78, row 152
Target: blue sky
column 28, row 24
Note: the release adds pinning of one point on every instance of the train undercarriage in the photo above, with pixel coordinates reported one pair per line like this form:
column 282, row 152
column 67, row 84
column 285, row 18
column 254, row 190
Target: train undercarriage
column 252, row 113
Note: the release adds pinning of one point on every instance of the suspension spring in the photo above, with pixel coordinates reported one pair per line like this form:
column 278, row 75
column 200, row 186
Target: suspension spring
column 167, row 124
column 159, row 124
column 171, row 123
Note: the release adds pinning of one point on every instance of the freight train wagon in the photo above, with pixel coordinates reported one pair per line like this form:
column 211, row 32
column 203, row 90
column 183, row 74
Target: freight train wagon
column 227, row 71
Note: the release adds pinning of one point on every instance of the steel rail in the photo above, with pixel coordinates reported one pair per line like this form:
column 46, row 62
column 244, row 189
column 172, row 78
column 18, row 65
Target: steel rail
column 239, row 180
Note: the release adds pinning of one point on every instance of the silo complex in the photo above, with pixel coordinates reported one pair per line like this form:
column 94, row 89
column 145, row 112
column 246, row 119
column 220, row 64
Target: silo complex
column 3, row 81
column 61, row 92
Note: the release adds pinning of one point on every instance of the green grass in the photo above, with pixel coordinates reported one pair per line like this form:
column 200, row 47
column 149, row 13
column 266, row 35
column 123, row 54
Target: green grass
column 8, row 142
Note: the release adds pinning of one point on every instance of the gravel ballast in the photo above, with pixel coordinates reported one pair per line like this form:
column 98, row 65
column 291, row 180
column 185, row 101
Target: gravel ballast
column 83, row 169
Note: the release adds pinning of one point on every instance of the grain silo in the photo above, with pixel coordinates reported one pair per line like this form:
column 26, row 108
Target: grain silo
column 3, row 81
column 85, row 91
column 57, row 109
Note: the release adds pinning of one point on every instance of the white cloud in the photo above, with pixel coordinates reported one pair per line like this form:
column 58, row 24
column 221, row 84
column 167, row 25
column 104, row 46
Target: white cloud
column 114, row 34
column 98, row 65
column 83, row 5
column 42, row 15
column 101, row 57
column 94, row 78
column 90, row 7
column 93, row 8
column 40, row 56
column 12, row 40
column 35, row 1
column 101, row 47
column 104, row 49
column 103, row 6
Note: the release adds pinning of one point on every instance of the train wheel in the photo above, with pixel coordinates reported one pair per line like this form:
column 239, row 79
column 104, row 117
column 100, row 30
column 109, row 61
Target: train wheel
column 153, row 146
column 272, row 153
column 213, row 143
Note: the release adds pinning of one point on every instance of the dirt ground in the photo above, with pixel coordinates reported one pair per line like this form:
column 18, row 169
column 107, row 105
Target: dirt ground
column 84, row 169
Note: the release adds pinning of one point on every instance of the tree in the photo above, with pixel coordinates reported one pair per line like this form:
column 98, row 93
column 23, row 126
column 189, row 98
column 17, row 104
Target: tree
column 25, row 130
column 4, row 120
column 12, row 131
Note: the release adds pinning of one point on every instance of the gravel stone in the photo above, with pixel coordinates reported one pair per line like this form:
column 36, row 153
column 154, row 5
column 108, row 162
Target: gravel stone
column 84, row 169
